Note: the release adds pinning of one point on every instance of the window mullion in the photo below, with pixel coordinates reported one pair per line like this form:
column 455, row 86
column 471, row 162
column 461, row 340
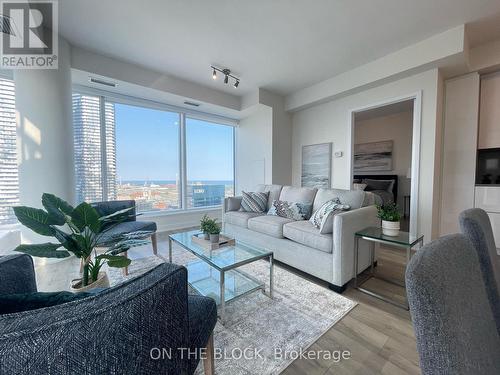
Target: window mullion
column 104, row 161
column 182, row 161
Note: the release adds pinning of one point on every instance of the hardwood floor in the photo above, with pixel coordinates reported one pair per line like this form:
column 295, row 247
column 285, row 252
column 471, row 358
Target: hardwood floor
column 378, row 335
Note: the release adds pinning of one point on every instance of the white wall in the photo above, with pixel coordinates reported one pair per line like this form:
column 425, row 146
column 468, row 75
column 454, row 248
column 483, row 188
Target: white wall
column 45, row 131
column 395, row 127
column 254, row 149
column 330, row 122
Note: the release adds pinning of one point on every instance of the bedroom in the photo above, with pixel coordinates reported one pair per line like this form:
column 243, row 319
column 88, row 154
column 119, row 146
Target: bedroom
column 383, row 154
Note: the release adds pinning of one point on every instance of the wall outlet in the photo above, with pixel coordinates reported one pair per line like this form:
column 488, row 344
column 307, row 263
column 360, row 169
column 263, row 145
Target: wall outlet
column 338, row 154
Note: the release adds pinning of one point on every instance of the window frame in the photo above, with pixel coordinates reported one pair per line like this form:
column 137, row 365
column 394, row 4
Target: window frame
column 184, row 113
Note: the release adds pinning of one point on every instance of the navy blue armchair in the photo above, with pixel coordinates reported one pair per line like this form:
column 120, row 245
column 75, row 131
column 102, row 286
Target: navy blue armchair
column 128, row 223
column 143, row 326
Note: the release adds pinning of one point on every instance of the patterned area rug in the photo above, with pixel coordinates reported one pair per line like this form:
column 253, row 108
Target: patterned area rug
column 299, row 314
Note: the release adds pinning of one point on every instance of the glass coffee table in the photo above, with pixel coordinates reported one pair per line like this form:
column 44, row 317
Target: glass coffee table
column 215, row 273
column 403, row 240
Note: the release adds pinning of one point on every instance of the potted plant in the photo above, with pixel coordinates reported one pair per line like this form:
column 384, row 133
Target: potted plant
column 78, row 230
column 214, row 230
column 204, row 223
column 389, row 213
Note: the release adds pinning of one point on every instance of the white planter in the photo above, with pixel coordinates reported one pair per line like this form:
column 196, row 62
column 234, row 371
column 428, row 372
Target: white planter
column 390, row 228
column 101, row 282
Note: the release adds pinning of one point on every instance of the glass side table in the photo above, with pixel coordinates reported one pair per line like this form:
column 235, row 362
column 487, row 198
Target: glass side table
column 374, row 234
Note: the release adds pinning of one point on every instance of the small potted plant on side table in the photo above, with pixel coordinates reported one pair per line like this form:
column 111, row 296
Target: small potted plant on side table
column 389, row 213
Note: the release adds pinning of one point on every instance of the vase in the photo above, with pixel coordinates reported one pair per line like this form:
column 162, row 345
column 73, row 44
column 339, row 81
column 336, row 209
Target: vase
column 206, row 236
column 390, row 228
column 214, row 238
column 101, row 282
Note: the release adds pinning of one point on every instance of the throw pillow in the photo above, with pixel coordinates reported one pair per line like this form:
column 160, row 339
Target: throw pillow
column 290, row 210
column 323, row 217
column 254, row 202
column 357, row 186
column 13, row 303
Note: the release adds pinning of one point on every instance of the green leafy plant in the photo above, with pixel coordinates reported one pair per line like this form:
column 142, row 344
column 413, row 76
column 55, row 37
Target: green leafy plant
column 213, row 227
column 79, row 231
column 388, row 212
column 204, row 223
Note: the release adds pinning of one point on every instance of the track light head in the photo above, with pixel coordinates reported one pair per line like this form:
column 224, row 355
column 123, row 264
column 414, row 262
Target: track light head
column 236, row 84
column 214, row 74
column 226, row 79
column 227, row 74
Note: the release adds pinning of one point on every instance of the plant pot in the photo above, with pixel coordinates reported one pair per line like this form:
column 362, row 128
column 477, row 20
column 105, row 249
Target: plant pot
column 101, row 282
column 214, row 238
column 207, row 236
column 390, row 228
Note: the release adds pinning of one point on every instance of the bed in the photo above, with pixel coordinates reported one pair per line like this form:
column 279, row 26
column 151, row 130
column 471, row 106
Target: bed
column 383, row 186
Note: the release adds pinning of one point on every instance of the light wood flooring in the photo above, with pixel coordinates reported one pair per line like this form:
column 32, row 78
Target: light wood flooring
column 378, row 335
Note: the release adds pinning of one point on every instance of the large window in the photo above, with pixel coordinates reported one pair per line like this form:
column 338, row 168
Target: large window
column 210, row 164
column 147, row 157
column 164, row 160
column 9, row 180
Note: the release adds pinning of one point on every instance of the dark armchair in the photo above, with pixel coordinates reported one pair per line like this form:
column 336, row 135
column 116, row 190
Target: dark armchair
column 143, row 326
column 130, row 224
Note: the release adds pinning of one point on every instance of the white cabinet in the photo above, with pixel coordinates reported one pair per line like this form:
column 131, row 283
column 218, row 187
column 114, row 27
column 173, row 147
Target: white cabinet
column 488, row 198
column 489, row 118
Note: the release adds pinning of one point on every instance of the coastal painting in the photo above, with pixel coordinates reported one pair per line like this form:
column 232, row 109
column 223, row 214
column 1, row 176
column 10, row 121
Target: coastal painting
column 372, row 157
column 316, row 165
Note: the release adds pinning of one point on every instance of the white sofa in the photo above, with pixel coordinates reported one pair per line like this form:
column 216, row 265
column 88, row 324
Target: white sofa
column 329, row 257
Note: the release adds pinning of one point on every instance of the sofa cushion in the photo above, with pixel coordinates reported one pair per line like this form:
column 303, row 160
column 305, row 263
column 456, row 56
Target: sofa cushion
column 307, row 234
column 274, row 192
column 303, row 195
column 240, row 218
column 352, row 198
column 270, row 225
column 254, row 202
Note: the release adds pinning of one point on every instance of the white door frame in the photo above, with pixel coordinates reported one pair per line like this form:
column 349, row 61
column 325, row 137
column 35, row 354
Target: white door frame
column 415, row 151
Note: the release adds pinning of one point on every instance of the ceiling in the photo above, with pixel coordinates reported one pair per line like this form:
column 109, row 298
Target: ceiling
column 278, row 45
column 385, row 110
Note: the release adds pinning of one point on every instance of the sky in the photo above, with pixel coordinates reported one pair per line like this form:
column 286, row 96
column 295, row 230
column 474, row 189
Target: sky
column 147, row 146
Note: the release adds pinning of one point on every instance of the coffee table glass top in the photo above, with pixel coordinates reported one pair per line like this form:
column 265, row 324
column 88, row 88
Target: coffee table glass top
column 403, row 238
column 224, row 258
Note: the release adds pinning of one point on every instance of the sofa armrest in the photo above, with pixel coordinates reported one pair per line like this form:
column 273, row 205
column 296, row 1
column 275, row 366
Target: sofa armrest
column 17, row 274
column 231, row 204
column 345, row 225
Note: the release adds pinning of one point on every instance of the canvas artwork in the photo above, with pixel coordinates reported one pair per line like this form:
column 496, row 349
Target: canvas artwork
column 316, row 165
column 371, row 157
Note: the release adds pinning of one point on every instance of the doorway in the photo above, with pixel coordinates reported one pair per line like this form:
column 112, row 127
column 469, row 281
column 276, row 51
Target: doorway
column 385, row 148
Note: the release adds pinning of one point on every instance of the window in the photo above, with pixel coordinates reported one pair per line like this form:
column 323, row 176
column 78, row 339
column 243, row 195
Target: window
column 210, row 164
column 9, row 180
column 129, row 151
column 147, row 157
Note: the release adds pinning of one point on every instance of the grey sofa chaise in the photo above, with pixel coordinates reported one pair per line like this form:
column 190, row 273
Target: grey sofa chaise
column 329, row 257
column 143, row 326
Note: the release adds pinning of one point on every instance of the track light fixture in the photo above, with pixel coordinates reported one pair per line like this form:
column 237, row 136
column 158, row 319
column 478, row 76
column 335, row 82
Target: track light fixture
column 227, row 75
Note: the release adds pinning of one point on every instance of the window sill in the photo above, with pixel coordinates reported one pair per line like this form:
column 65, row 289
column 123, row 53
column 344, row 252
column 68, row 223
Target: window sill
column 153, row 214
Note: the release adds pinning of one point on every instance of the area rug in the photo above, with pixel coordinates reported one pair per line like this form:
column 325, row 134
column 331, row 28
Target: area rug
column 259, row 332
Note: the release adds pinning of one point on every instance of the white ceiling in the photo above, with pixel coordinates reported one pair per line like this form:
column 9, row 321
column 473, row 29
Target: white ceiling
column 279, row 45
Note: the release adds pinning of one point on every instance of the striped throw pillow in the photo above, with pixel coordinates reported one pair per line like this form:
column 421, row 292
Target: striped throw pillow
column 254, row 202
column 323, row 217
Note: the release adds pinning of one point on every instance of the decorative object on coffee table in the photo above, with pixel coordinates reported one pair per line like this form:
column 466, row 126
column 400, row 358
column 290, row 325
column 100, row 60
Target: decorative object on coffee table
column 199, row 238
column 403, row 240
column 390, row 216
column 204, row 223
column 86, row 229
